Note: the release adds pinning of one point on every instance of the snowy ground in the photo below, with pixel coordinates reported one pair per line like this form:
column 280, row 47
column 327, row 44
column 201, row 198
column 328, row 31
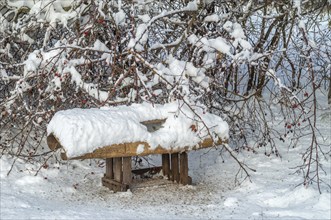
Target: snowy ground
column 74, row 191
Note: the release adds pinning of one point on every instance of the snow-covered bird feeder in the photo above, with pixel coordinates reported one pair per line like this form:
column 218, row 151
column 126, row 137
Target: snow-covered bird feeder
column 118, row 133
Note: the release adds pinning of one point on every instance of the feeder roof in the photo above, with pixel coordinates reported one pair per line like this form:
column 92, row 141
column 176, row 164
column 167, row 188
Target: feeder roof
column 141, row 128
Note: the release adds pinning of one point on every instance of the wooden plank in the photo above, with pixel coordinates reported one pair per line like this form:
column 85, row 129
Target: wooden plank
column 153, row 125
column 114, row 185
column 166, row 165
column 175, row 167
column 149, row 170
column 109, row 168
column 155, row 121
column 118, row 174
column 53, row 143
column 184, row 179
column 127, row 176
column 150, row 183
column 130, row 149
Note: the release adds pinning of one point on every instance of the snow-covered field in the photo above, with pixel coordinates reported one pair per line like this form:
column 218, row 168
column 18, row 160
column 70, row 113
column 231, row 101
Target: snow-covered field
column 60, row 62
column 74, row 191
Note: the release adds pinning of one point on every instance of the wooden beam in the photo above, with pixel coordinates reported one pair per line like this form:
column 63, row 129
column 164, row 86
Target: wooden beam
column 130, row 149
column 109, row 168
column 153, row 125
column 147, row 171
column 53, row 142
column 114, row 185
column 166, row 165
column 175, row 167
column 127, row 176
column 184, row 179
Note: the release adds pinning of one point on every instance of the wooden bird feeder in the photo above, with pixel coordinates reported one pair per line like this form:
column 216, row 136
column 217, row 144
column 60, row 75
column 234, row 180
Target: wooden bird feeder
column 118, row 176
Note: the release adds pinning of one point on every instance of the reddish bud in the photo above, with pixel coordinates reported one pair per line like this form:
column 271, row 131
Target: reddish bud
column 193, row 128
column 289, row 126
column 306, row 94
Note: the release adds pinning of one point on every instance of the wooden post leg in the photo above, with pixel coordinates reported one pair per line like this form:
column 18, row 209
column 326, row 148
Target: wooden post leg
column 184, row 179
column 166, row 165
column 175, row 167
column 109, row 168
column 127, row 177
column 118, row 175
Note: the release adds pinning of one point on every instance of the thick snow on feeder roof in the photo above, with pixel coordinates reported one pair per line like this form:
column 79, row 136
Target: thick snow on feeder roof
column 82, row 131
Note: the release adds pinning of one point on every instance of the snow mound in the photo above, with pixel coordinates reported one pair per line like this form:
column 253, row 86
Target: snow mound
column 82, row 131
